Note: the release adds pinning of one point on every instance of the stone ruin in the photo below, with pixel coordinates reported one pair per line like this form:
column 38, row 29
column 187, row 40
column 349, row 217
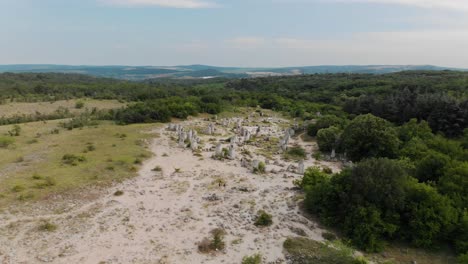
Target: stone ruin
column 210, row 129
column 232, row 152
column 301, row 168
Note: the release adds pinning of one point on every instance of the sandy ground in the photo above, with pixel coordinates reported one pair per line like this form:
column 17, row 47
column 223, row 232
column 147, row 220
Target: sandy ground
column 161, row 216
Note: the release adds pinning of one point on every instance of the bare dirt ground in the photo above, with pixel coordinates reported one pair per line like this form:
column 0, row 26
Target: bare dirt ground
column 162, row 215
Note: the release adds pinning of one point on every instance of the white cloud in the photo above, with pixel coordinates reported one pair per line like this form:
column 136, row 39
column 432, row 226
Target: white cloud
column 246, row 42
column 460, row 5
column 163, row 3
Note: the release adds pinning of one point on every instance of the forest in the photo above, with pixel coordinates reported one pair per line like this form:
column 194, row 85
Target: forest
column 404, row 134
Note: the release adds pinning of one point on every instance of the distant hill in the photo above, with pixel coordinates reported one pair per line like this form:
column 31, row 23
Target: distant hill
column 205, row 71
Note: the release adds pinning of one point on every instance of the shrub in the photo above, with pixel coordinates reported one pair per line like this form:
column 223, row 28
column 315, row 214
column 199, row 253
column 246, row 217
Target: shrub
column 215, row 243
column 16, row 131
column 79, row 104
column 47, row 182
column 47, row 227
column 327, row 170
column 73, row 160
column 261, row 168
column 254, row 259
column 118, row 193
column 297, row 153
column 329, row 236
column 157, row 168
column 263, row 219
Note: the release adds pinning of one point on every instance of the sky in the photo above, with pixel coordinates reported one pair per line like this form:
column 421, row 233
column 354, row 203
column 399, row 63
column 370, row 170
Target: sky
column 242, row 33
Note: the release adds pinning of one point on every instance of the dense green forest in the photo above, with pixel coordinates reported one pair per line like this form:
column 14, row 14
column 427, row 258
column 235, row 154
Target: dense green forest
column 405, row 134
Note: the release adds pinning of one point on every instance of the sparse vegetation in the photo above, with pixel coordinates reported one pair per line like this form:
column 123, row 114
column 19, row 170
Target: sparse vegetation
column 303, row 250
column 263, row 219
column 71, row 159
column 157, row 169
column 296, row 153
column 118, row 193
column 216, row 242
column 47, row 226
column 254, row 259
column 6, row 142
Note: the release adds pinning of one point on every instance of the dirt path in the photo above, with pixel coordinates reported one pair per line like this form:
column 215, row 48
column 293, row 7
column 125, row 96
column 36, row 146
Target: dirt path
column 162, row 215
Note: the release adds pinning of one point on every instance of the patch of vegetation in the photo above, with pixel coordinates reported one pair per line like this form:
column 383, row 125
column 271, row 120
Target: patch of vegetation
column 260, row 169
column 263, row 219
column 306, row 251
column 296, row 153
column 157, row 169
column 6, row 142
column 47, row 226
column 329, row 236
column 254, row 259
column 216, row 242
column 51, row 178
column 16, row 131
column 118, row 193
column 79, row 104
column 71, row 159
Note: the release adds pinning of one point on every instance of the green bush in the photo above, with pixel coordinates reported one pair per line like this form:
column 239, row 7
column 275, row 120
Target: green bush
column 254, row 259
column 47, row 226
column 296, row 153
column 71, row 159
column 263, row 219
column 79, row 104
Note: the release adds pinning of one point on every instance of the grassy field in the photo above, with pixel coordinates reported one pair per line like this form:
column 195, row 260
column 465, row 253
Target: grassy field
column 12, row 109
column 44, row 159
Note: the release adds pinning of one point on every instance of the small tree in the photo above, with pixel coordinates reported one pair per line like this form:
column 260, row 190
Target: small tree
column 16, row 131
column 327, row 138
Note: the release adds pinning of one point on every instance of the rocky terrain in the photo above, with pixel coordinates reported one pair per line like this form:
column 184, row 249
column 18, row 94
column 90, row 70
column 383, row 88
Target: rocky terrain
column 204, row 174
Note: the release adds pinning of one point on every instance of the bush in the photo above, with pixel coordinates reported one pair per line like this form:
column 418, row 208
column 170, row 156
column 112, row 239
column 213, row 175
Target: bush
column 47, row 227
column 263, row 219
column 215, row 243
column 312, row 177
column 16, row 131
column 329, row 236
column 296, row 153
column 157, row 168
column 79, row 104
column 73, row 160
column 261, row 168
column 118, row 193
column 254, row 259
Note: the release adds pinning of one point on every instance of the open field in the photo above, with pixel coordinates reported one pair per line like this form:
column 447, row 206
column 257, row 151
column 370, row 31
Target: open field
column 33, row 166
column 45, row 108
column 178, row 198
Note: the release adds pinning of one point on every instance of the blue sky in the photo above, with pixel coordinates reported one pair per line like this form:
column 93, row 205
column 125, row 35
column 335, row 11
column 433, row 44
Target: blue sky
column 253, row 33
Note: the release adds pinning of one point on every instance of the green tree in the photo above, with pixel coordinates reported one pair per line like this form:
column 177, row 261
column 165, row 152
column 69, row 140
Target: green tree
column 432, row 166
column 325, row 121
column 327, row 138
column 429, row 216
column 369, row 136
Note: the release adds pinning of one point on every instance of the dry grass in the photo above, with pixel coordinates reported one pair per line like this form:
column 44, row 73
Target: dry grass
column 19, row 178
